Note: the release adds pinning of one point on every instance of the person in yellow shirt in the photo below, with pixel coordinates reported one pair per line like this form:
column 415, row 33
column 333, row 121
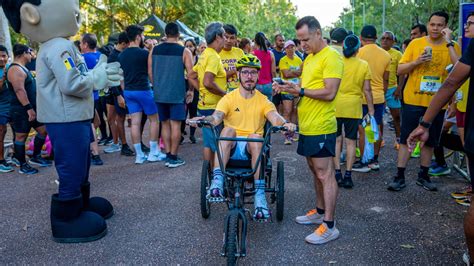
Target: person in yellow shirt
column 392, row 96
column 290, row 70
column 354, row 86
column 425, row 60
column 379, row 63
column 212, row 81
column 244, row 112
column 229, row 56
column 322, row 73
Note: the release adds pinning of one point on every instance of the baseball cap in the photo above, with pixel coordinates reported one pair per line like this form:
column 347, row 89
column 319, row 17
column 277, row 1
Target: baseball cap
column 288, row 43
column 338, row 34
column 369, row 32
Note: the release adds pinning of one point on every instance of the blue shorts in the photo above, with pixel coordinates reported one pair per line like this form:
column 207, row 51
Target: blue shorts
column 392, row 103
column 140, row 102
column 173, row 111
column 287, row 97
column 208, row 138
column 266, row 89
column 378, row 114
column 4, row 119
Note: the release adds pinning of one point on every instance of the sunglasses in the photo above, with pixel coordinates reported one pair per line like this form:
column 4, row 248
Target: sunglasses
column 468, row 24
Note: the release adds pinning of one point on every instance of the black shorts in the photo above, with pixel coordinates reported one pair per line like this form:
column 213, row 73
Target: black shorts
column 320, row 146
column 19, row 120
column 351, row 126
column 410, row 120
column 109, row 99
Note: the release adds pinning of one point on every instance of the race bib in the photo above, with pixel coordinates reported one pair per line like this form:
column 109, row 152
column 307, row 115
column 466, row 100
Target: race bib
column 430, row 84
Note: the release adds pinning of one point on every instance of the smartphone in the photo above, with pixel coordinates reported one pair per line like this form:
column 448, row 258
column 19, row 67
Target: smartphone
column 428, row 51
column 279, row 81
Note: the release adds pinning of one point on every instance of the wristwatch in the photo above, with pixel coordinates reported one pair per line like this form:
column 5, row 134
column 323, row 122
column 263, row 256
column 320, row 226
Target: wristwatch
column 301, row 94
column 424, row 124
column 451, row 43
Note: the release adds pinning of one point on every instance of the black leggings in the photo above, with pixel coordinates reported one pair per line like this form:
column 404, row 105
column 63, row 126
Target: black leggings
column 101, row 107
column 191, row 109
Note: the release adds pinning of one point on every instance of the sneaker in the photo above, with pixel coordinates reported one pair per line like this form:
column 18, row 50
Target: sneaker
column 102, row 141
column 323, row 235
column 175, row 163
column 145, row 148
column 109, row 140
column 465, row 193
column 96, row 160
column 287, row 141
column 426, row 184
column 126, row 151
column 397, row 184
column 192, row 139
column 217, row 188
column 347, row 182
column 14, row 161
column 440, row 170
column 5, row 167
column 339, row 179
column 360, row 167
column 261, row 213
column 27, row 169
column 113, row 148
column 466, row 258
column 40, row 161
column 156, row 157
column 140, row 160
column 295, row 137
column 311, row 217
column 464, row 202
column 374, row 165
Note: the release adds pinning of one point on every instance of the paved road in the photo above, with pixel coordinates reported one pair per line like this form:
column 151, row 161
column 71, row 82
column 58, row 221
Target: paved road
column 158, row 218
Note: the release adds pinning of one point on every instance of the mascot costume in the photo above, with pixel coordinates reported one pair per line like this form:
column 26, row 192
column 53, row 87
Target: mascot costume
column 65, row 106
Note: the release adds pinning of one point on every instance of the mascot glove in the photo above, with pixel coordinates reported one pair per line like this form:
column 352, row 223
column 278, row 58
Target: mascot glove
column 106, row 75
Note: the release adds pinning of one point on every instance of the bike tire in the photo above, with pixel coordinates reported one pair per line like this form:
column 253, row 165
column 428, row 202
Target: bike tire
column 280, row 197
column 232, row 238
column 205, row 178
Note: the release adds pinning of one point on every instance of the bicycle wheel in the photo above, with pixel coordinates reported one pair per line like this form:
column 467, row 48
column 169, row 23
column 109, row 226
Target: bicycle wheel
column 205, row 179
column 280, row 197
column 232, row 239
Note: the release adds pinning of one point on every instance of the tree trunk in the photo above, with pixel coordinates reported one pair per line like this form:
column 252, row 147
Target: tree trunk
column 5, row 37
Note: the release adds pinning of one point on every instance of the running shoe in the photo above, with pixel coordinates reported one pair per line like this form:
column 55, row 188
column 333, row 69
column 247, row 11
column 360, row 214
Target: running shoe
column 339, row 179
column 175, row 163
column 96, row 160
column 40, row 161
column 426, row 184
column 140, row 159
column 464, row 193
column 126, row 151
column 360, row 167
column 27, row 169
column 374, row 165
column 14, row 161
column 102, row 141
column 287, row 141
column 261, row 213
column 5, row 167
column 311, row 217
column 347, row 182
column 217, row 188
column 397, row 184
column 109, row 141
column 440, row 170
column 113, row 148
column 464, row 202
column 322, row 235
column 156, row 157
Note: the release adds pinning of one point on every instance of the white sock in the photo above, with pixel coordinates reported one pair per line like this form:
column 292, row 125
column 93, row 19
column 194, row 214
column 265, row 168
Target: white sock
column 154, row 147
column 138, row 149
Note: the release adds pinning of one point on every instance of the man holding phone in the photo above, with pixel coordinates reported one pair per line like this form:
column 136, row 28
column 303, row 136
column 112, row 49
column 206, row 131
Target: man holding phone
column 425, row 60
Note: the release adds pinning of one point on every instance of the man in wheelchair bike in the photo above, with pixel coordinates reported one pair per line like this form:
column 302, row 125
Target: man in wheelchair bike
column 244, row 113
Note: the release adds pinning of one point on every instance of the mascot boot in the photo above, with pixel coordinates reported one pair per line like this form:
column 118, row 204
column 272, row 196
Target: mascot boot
column 70, row 224
column 98, row 205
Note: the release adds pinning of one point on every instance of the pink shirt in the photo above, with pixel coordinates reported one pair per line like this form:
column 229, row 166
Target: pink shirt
column 265, row 58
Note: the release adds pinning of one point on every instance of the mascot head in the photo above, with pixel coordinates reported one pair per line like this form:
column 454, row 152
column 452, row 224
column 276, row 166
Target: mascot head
column 42, row 20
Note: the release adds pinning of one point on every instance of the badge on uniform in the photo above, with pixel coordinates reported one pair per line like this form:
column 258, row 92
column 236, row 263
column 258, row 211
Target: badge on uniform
column 69, row 63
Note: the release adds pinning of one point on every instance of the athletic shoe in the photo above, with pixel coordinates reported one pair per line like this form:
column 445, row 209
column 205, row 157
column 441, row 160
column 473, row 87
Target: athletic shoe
column 339, row 179
column 466, row 192
column 96, row 160
column 102, row 141
column 145, row 148
column 464, row 202
column 295, row 137
column 5, row 167
column 426, row 184
column 217, row 188
column 360, row 167
column 175, row 163
column 466, row 258
column 14, row 161
column 113, row 148
column 27, row 169
column 126, row 151
column 40, row 161
column 140, row 160
column 311, row 217
column 323, row 235
column 416, row 152
column 397, row 184
column 287, row 141
column 347, row 182
column 261, row 213
column 440, row 170
column 192, row 139
column 109, row 141
column 374, row 165
column 156, row 157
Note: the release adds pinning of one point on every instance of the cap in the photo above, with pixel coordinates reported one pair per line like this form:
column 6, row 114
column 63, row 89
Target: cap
column 288, row 43
column 338, row 34
column 369, row 32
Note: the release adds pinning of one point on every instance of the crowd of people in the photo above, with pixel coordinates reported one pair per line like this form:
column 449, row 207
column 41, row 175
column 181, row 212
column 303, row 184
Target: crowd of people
column 333, row 89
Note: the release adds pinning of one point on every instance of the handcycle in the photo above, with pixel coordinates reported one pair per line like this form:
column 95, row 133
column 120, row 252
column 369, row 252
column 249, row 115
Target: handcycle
column 238, row 187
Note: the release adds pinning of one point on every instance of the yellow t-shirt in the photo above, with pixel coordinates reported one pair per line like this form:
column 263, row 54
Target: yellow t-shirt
column 209, row 61
column 461, row 97
column 396, row 56
column 425, row 79
column 351, row 91
column 379, row 62
column 246, row 116
column 317, row 117
column 229, row 60
column 291, row 64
